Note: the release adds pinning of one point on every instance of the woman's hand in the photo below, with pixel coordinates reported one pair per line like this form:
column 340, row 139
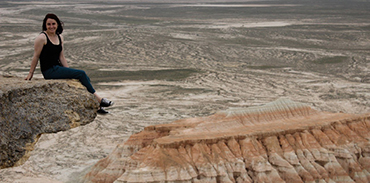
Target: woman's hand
column 40, row 41
column 29, row 77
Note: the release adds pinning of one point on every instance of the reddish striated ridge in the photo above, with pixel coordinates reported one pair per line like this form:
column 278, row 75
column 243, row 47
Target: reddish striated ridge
column 282, row 141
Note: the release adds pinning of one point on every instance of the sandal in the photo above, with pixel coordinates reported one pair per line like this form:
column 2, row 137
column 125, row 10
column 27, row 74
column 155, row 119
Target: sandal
column 105, row 103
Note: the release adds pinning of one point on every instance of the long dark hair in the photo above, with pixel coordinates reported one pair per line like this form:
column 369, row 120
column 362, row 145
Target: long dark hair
column 53, row 16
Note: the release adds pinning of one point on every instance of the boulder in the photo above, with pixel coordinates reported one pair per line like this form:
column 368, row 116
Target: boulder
column 282, row 141
column 31, row 108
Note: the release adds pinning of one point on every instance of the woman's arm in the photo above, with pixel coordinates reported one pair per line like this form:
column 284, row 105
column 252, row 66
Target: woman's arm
column 62, row 59
column 40, row 41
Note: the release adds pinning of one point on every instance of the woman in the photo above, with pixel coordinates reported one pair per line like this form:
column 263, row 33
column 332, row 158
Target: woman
column 48, row 48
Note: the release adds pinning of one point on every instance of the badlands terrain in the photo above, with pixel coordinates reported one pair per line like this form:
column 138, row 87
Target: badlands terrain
column 162, row 61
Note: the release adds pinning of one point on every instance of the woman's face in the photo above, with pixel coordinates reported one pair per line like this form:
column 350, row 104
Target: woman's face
column 51, row 25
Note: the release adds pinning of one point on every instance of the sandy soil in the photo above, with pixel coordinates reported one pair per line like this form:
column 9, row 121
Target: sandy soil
column 161, row 62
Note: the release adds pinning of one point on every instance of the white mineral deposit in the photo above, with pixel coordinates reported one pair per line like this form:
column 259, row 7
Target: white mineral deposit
column 173, row 68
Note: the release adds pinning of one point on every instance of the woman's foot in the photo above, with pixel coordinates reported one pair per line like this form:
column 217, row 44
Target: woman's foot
column 105, row 103
column 102, row 111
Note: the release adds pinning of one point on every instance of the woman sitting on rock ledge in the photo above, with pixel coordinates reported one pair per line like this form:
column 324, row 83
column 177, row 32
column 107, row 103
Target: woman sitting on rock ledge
column 49, row 49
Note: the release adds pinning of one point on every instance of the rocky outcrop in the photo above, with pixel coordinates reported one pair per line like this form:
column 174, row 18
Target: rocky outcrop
column 31, row 108
column 282, row 141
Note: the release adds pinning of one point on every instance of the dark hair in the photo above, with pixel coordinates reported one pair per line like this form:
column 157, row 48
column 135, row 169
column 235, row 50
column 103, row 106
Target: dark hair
column 53, row 16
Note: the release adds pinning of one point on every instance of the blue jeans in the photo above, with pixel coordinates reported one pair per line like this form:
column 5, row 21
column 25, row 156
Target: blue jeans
column 59, row 72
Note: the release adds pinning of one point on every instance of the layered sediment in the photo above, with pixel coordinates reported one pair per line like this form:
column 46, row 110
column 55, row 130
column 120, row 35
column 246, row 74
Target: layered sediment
column 31, row 108
column 282, row 141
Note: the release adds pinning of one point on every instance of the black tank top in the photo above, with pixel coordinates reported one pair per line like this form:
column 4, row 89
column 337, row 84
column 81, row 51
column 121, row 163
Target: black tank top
column 50, row 53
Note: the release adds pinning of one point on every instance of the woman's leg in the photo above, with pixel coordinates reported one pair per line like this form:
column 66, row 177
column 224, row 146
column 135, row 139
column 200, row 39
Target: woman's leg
column 58, row 72
column 97, row 97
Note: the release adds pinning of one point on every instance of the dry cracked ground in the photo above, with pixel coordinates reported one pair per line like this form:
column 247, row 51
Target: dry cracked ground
column 161, row 61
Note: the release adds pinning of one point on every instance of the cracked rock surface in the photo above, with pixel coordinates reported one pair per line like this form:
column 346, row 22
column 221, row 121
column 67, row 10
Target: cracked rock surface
column 31, row 108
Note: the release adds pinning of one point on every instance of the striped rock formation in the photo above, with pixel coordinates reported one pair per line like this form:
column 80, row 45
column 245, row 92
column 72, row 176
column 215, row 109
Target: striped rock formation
column 282, row 141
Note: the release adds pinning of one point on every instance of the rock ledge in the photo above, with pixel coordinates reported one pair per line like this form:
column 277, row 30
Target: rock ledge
column 31, row 108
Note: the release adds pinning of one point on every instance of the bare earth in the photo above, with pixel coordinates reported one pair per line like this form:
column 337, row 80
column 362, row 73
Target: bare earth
column 161, row 61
